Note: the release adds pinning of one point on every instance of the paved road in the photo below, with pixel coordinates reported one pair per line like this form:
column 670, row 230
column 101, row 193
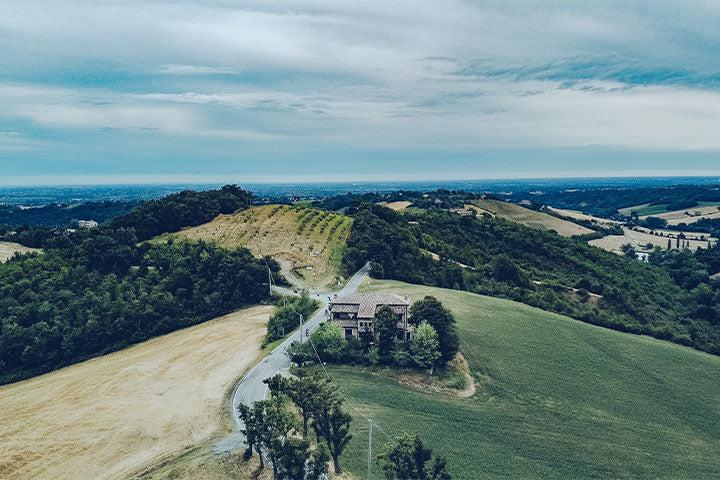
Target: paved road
column 251, row 388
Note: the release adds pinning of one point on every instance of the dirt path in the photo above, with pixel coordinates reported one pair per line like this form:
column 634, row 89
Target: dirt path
column 111, row 416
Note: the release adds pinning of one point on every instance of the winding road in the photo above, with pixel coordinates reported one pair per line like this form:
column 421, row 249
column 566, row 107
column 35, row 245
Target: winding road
column 251, row 387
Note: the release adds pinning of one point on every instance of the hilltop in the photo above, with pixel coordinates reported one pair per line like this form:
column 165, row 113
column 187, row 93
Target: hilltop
column 556, row 398
column 307, row 242
column 529, row 218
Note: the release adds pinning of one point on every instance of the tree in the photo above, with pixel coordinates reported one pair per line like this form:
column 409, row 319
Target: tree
column 386, row 328
column 424, row 346
column 408, row 461
column 302, row 390
column 331, row 423
column 430, row 310
column 250, row 430
column 317, row 467
column 270, row 423
column 292, row 454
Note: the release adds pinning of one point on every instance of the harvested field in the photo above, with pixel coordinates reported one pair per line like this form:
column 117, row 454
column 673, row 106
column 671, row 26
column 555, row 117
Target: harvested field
column 529, row 218
column 397, row 206
column 307, row 242
column 113, row 416
column 8, row 249
column 690, row 215
column 614, row 243
column 582, row 216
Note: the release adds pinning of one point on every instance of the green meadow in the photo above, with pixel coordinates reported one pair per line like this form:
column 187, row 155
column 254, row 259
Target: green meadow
column 556, row 398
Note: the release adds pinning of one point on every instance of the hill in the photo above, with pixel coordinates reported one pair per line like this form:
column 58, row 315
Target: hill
column 529, row 218
column 114, row 415
column 308, row 243
column 688, row 215
column 556, row 398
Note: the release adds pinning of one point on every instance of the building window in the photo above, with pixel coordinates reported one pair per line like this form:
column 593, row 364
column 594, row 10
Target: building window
column 348, row 332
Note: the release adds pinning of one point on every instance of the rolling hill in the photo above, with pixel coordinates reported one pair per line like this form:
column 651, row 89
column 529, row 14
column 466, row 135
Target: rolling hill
column 529, row 218
column 556, row 398
column 307, row 242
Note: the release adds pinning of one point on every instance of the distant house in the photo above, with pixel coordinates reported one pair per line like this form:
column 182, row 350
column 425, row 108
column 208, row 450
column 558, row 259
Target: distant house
column 87, row 223
column 355, row 313
column 463, row 212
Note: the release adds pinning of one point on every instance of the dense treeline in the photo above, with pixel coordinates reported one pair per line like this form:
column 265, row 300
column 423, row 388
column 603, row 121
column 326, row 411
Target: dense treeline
column 96, row 291
column 58, row 215
column 501, row 258
column 605, row 201
column 184, row 209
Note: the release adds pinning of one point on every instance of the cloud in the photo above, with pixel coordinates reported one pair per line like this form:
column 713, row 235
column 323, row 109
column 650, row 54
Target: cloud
column 323, row 75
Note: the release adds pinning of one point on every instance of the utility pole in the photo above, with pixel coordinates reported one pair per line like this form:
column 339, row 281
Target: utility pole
column 370, row 450
column 269, row 281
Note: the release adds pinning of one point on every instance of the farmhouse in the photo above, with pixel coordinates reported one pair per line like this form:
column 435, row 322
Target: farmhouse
column 355, row 313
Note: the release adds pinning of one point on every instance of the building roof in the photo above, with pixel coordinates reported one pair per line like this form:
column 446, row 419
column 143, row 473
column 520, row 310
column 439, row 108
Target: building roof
column 366, row 304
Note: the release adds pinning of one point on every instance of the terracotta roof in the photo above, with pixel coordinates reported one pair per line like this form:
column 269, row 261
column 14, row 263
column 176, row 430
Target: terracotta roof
column 366, row 304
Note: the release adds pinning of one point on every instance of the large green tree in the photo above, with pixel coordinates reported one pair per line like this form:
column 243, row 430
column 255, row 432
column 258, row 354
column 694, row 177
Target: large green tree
column 432, row 311
column 386, row 329
column 424, row 346
column 408, row 460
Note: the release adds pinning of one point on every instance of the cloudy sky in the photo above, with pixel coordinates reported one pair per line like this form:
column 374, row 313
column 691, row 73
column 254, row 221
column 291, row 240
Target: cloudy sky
column 190, row 90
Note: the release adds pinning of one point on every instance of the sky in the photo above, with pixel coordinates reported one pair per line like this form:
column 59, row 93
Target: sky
column 111, row 91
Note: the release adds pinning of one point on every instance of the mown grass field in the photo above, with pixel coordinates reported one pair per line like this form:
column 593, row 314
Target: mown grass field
column 307, row 242
column 529, row 218
column 556, row 398
column 689, row 215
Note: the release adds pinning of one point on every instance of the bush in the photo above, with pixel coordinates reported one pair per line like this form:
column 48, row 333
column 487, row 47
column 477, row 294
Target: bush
column 287, row 317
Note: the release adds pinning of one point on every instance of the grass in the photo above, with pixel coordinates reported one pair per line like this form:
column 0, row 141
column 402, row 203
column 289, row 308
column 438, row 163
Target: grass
column 118, row 414
column 556, row 398
column 308, row 243
column 529, row 218
column 643, row 210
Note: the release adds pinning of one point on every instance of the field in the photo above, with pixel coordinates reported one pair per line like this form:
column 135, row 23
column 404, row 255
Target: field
column 397, row 206
column 529, row 218
column 574, row 214
column 8, row 249
column 643, row 210
column 113, row 416
column 556, row 398
column 614, row 243
column 689, row 215
column 307, row 242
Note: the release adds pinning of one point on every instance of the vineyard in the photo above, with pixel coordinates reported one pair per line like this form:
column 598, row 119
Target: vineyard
column 307, row 242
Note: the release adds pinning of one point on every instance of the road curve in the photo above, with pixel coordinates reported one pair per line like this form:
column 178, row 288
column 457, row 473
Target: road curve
column 251, row 387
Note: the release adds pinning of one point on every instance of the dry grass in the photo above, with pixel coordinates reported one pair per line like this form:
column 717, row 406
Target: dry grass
column 689, row 215
column 529, row 218
column 614, row 243
column 112, row 416
column 307, row 242
column 397, row 206
column 582, row 216
column 8, row 249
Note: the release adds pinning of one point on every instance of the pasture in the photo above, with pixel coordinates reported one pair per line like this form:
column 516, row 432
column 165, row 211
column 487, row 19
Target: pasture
column 115, row 415
column 308, row 243
column 556, row 398
column 529, row 218
column 397, row 206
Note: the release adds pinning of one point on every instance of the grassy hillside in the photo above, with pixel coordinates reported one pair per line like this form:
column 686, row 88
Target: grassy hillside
column 8, row 249
column 115, row 415
column 529, row 218
column 307, row 242
column 556, row 398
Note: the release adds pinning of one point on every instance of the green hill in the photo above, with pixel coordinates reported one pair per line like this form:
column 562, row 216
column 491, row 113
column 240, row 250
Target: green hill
column 556, row 398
